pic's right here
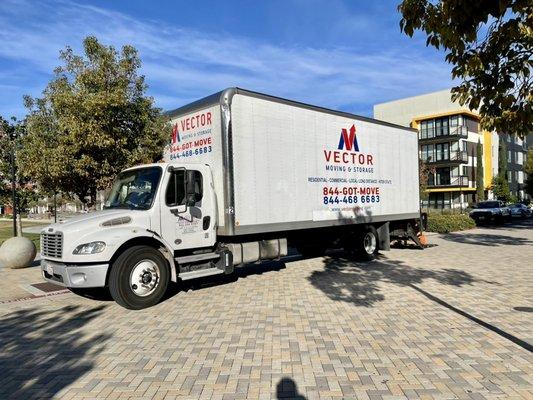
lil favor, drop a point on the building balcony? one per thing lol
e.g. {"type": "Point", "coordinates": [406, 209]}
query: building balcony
{"type": "Point", "coordinates": [448, 134]}
{"type": "Point", "coordinates": [454, 181]}
{"type": "Point", "coordinates": [455, 157]}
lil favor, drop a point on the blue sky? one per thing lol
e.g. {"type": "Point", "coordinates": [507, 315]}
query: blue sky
{"type": "Point", "coordinates": [345, 55]}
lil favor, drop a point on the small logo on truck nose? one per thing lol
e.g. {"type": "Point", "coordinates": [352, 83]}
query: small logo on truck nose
{"type": "Point", "coordinates": [348, 141]}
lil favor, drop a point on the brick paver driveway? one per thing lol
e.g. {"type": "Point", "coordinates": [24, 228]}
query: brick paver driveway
{"type": "Point", "coordinates": [452, 321]}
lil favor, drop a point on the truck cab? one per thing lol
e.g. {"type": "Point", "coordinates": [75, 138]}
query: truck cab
{"type": "Point", "coordinates": [154, 213]}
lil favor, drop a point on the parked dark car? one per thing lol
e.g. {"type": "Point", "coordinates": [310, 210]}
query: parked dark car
{"type": "Point", "coordinates": [520, 210]}
{"type": "Point", "coordinates": [490, 211]}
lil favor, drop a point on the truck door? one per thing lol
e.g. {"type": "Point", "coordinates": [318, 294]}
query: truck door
{"type": "Point", "coordinates": [188, 208]}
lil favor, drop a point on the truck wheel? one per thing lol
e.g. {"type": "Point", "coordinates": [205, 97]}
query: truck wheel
{"type": "Point", "coordinates": [139, 277]}
{"type": "Point", "coordinates": [367, 244]}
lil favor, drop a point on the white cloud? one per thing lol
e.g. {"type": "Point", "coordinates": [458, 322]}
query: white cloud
{"type": "Point", "coordinates": [182, 65]}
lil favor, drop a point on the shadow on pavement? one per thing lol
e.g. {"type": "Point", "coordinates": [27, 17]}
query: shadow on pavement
{"type": "Point", "coordinates": [513, 224]}
{"type": "Point", "coordinates": [524, 309]}
{"type": "Point", "coordinates": [42, 351]}
{"type": "Point", "coordinates": [239, 273]}
{"type": "Point", "coordinates": [486, 239]}
{"type": "Point", "coordinates": [345, 280]}
{"type": "Point", "coordinates": [100, 294]}
{"type": "Point", "coordinates": [287, 389]}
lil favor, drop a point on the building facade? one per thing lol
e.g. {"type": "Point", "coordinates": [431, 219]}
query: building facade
{"type": "Point", "coordinates": [516, 149]}
{"type": "Point", "coordinates": [449, 135]}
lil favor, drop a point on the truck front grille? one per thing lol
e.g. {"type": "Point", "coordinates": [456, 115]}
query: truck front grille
{"type": "Point", "coordinates": [52, 244]}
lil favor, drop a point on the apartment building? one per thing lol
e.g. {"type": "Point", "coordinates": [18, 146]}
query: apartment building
{"type": "Point", "coordinates": [448, 137]}
{"type": "Point", "coordinates": [516, 158]}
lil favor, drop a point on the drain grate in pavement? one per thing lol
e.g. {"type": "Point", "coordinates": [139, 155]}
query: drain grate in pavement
{"type": "Point", "coordinates": [47, 287]}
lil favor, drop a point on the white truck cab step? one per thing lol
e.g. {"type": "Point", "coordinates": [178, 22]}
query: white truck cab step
{"type": "Point", "coordinates": [197, 257]}
{"type": "Point", "coordinates": [200, 273]}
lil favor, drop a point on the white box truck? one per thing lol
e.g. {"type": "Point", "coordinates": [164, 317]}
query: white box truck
{"type": "Point", "coordinates": [246, 176]}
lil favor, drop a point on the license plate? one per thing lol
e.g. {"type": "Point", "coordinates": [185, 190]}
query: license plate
{"type": "Point", "coordinates": [481, 218]}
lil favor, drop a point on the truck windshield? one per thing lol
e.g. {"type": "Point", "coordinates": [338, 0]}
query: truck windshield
{"type": "Point", "coordinates": [134, 189]}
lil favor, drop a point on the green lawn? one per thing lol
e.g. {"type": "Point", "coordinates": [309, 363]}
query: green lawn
{"type": "Point", "coordinates": [6, 231]}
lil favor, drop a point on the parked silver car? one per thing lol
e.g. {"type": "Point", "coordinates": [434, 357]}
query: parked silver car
{"type": "Point", "coordinates": [520, 210]}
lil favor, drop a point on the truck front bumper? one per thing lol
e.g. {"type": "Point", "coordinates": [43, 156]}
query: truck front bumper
{"type": "Point", "coordinates": [74, 276]}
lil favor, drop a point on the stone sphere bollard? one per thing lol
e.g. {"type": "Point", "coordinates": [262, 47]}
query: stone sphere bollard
{"type": "Point", "coordinates": [17, 252]}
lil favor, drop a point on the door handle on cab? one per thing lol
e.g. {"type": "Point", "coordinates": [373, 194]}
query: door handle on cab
{"type": "Point", "coordinates": [206, 222]}
{"type": "Point", "coordinates": [179, 209]}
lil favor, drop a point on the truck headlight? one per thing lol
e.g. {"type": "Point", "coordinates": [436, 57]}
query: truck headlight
{"type": "Point", "coordinates": [90, 248]}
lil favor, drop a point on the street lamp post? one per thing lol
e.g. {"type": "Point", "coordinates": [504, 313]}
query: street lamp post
{"type": "Point", "coordinates": [14, 188]}
{"type": "Point", "coordinates": [11, 137]}
{"type": "Point", "coordinates": [55, 206]}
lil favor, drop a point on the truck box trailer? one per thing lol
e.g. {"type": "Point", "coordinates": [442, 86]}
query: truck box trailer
{"type": "Point", "coordinates": [245, 177]}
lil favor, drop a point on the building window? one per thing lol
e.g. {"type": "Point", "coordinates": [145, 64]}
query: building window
{"type": "Point", "coordinates": [441, 127]}
{"type": "Point", "coordinates": [427, 129]}
{"type": "Point", "coordinates": [427, 153]}
{"type": "Point", "coordinates": [442, 176]}
{"type": "Point", "coordinates": [440, 200]}
{"type": "Point", "coordinates": [519, 157]}
{"type": "Point", "coordinates": [442, 151]}
{"type": "Point", "coordinates": [455, 172]}
{"type": "Point", "coordinates": [454, 120]}
{"type": "Point", "coordinates": [431, 179]}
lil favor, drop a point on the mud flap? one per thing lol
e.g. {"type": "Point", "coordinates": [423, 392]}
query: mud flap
{"type": "Point", "coordinates": [384, 237]}
{"type": "Point", "coordinates": [413, 236]}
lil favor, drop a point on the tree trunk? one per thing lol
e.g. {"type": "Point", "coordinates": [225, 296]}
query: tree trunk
{"type": "Point", "coordinates": [93, 192]}
{"type": "Point", "coordinates": [19, 225]}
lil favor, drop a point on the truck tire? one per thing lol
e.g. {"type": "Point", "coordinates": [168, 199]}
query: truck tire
{"type": "Point", "coordinates": [139, 277]}
{"type": "Point", "coordinates": [367, 245]}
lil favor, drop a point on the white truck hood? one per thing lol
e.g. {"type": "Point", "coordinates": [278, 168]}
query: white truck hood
{"type": "Point", "coordinates": [88, 228]}
{"type": "Point", "coordinates": [91, 220]}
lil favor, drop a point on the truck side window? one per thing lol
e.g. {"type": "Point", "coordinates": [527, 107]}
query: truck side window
{"type": "Point", "coordinates": [195, 185]}
{"type": "Point", "coordinates": [175, 196]}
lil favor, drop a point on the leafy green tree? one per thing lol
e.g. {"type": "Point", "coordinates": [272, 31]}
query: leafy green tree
{"type": "Point", "coordinates": [528, 169]}
{"type": "Point", "coordinates": [424, 170]}
{"type": "Point", "coordinates": [490, 45]}
{"type": "Point", "coordinates": [480, 187]}
{"type": "Point", "coordinates": [499, 182]}
{"type": "Point", "coordinates": [502, 158]}
{"type": "Point", "coordinates": [500, 187]}
{"type": "Point", "coordinates": [11, 133]}
{"type": "Point", "coordinates": [93, 120]}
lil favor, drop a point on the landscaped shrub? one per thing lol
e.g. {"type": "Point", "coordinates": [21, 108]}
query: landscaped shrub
{"type": "Point", "coordinates": [445, 223]}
